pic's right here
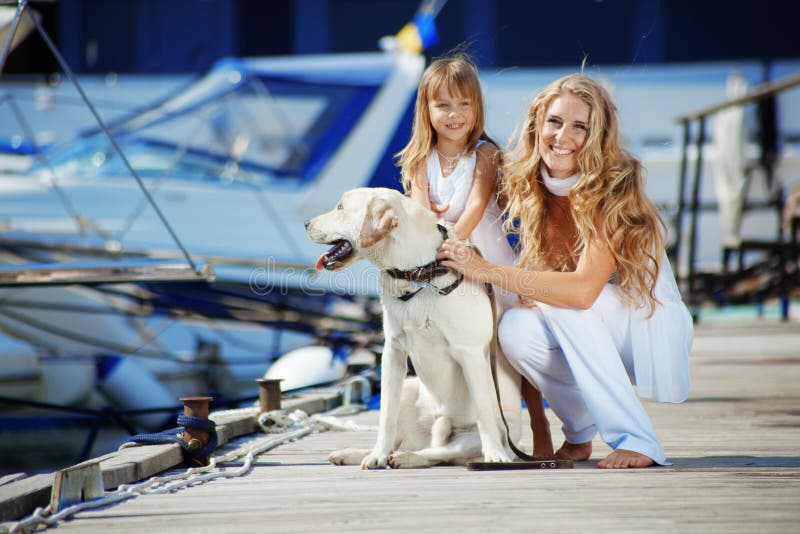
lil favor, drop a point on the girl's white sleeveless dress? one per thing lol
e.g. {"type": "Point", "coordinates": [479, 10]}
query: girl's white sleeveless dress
{"type": "Point", "coordinates": [488, 236]}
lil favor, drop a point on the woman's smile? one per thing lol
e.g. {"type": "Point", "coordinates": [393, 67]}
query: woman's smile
{"type": "Point", "coordinates": [564, 132]}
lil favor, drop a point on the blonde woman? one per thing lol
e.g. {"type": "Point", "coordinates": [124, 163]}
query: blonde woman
{"type": "Point", "coordinates": [601, 307]}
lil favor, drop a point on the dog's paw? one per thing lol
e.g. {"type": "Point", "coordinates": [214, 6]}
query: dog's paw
{"type": "Point", "coordinates": [407, 460]}
{"type": "Point", "coordinates": [375, 461]}
{"type": "Point", "coordinates": [347, 456]}
{"type": "Point", "coordinates": [496, 455]}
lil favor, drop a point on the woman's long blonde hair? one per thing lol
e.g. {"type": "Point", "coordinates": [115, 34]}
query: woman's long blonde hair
{"type": "Point", "coordinates": [607, 203]}
{"type": "Point", "coordinates": [459, 75]}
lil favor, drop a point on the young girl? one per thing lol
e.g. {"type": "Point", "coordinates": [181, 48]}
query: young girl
{"type": "Point", "coordinates": [450, 167]}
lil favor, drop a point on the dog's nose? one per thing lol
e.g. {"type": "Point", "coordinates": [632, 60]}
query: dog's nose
{"type": "Point", "coordinates": [307, 223]}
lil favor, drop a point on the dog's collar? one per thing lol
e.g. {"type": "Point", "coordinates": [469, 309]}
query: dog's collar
{"type": "Point", "coordinates": [424, 274]}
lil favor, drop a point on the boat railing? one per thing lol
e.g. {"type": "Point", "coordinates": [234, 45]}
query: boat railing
{"type": "Point", "coordinates": [782, 251]}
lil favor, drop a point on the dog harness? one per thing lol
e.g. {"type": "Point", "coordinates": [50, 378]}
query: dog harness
{"type": "Point", "coordinates": [425, 273]}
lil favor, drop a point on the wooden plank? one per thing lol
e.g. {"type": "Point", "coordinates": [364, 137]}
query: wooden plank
{"type": "Point", "coordinates": [13, 477]}
{"type": "Point", "coordinates": [234, 423]}
{"type": "Point", "coordinates": [23, 496]}
{"type": "Point", "coordinates": [132, 464]}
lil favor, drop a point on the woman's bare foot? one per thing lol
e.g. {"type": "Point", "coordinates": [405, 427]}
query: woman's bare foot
{"type": "Point", "coordinates": [623, 459]}
{"type": "Point", "coordinates": [577, 452]}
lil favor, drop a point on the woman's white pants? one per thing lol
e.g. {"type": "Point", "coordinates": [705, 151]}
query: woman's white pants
{"type": "Point", "coordinates": [582, 362]}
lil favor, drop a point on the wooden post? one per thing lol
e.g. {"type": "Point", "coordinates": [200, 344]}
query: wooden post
{"type": "Point", "coordinates": [82, 482]}
{"type": "Point", "coordinates": [269, 394]}
{"type": "Point", "coordinates": [194, 437]}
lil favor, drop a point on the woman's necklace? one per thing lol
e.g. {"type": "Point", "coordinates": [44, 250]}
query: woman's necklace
{"type": "Point", "coordinates": [450, 163]}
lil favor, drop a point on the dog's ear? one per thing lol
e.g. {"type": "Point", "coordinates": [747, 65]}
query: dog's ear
{"type": "Point", "coordinates": [379, 221]}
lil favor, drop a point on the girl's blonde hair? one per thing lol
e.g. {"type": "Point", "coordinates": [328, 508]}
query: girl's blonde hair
{"type": "Point", "coordinates": [459, 75]}
{"type": "Point", "coordinates": [607, 203]}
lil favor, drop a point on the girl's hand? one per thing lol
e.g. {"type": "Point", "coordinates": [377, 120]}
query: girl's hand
{"type": "Point", "coordinates": [464, 259]}
{"type": "Point", "coordinates": [438, 209]}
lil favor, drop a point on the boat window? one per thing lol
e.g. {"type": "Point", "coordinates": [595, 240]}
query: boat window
{"type": "Point", "coordinates": [257, 131]}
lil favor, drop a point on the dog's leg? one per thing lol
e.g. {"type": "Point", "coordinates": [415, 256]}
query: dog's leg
{"type": "Point", "coordinates": [348, 456]}
{"type": "Point", "coordinates": [411, 433]}
{"type": "Point", "coordinates": [393, 364]}
{"type": "Point", "coordinates": [441, 431]}
{"type": "Point", "coordinates": [462, 447]}
{"type": "Point", "coordinates": [478, 375]}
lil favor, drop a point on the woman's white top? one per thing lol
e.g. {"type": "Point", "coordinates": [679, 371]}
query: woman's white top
{"type": "Point", "coordinates": [454, 189]}
{"type": "Point", "coordinates": [660, 343]}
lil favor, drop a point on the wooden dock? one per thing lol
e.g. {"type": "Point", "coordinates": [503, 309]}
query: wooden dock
{"type": "Point", "coordinates": [735, 445]}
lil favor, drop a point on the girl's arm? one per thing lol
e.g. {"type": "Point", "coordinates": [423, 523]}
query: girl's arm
{"type": "Point", "coordinates": [419, 190]}
{"type": "Point", "coordinates": [483, 186]}
{"type": "Point", "coordinates": [578, 289]}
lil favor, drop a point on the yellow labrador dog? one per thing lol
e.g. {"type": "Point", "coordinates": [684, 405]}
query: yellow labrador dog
{"type": "Point", "coordinates": [449, 414]}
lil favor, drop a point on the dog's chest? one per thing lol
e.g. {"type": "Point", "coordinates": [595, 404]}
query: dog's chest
{"type": "Point", "coordinates": [419, 320]}
{"type": "Point", "coordinates": [423, 327]}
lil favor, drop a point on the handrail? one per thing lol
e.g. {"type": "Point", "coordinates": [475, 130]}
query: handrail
{"type": "Point", "coordinates": [758, 92]}
{"type": "Point", "coordinates": [766, 120]}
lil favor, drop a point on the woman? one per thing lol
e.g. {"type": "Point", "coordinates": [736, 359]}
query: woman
{"type": "Point", "coordinates": [600, 303]}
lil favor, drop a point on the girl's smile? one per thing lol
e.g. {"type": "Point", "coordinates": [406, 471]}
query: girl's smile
{"type": "Point", "coordinates": [453, 118]}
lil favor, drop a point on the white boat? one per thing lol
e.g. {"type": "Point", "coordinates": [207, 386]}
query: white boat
{"type": "Point", "coordinates": [236, 162]}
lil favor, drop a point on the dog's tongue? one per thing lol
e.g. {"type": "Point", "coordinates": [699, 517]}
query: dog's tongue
{"type": "Point", "coordinates": [320, 262]}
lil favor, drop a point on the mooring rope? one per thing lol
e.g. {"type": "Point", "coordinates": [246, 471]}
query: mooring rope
{"type": "Point", "coordinates": [292, 427]}
{"type": "Point", "coordinates": [174, 436]}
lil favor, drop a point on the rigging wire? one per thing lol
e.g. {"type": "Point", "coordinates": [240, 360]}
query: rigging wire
{"type": "Point", "coordinates": [81, 221]}
{"type": "Point", "coordinates": [62, 62]}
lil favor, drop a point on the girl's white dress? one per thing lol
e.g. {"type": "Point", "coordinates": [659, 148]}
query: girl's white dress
{"type": "Point", "coordinates": [488, 236]}
{"type": "Point", "coordinates": [454, 189]}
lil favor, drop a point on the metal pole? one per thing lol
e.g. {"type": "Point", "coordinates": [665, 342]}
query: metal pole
{"type": "Point", "coordinates": [676, 250]}
{"type": "Point", "coordinates": [695, 206]}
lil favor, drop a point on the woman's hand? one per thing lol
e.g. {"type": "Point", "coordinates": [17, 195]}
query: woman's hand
{"type": "Point", "coordinates": [464, 259]}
